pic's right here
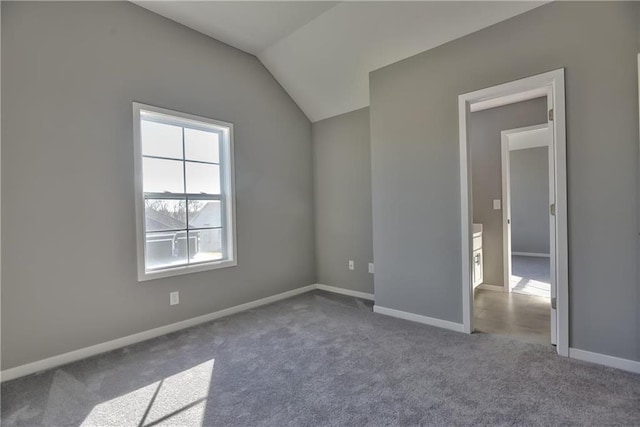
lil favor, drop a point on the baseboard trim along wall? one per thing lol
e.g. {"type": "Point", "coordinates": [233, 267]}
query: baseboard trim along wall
{"type": "Point", "coordinates": [493, 288]}
{"type": "Point", "coordinates": [536, 254]}
{"type": "Point", "coordinates": [83, 353]}
{"type": "Point", "coordinates": [458, 327]}
{"type": "Point", "coordinates": [603, 359]}
{"type": "Point", "coordinates": [345, 291]}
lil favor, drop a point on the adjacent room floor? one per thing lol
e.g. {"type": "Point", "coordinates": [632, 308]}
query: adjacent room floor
{"type": "Point", "coordinates": [518, 316]}
{"type": "Point", "coordinates": [523, 314]}
{"type": "Point", "coordinates": [531, 275]}
{"type": "Point", "coordinates": [322, 359]}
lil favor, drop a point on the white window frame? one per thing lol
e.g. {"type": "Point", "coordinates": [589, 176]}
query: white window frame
{"type": "Point", "coordinates": [227, 190]}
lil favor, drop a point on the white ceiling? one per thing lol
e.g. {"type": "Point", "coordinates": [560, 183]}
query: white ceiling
{"type": "Point", "coordinates": [322, 52]}
{"type": "Point", "coordinates": [251, 26]}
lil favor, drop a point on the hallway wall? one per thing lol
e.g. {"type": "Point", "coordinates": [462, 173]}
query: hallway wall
{"type": "Point", "coordinates": [530, 200]}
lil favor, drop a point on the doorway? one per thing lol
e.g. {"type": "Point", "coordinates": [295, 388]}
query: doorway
{"type": "Point", "coordinates": [551, 86]}
{"type": "Point", "coordinates": [528, 227]}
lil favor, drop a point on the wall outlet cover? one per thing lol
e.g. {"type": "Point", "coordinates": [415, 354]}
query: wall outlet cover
{"type": "Point", "coordinates": [174, 298]}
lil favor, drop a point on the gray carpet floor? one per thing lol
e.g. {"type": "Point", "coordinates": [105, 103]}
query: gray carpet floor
{"type": "Point", "coordinates": [323, 359]}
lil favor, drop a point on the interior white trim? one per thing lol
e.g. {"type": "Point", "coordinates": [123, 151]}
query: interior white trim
{"type": "Point", "coordinates": [83, 353]}
{"type": "Point", "coordinates": [534, 254]}
{"type": "Point", "coordinates": [431, 321]}
{"type": "Point", "coordinates": [509, 99]}
{"type": "Point", "coordinates": [553, 81]}
{"type": "Point", "coordinates": [505, 164]}
{"type": "Point", "coordinates": [519, 139]}
{"type": "Point", "coordinates": [526, 137]}
{"type": "Point", "coordinates": [344, 291]}
{"type": "Point", "coordinates": [603, 359]}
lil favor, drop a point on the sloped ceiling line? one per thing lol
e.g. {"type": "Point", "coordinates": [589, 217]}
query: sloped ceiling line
{"type": "Point", "coordinates": [322, 52]}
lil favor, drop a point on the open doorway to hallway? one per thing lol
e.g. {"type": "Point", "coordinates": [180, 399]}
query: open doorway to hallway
{"type": "Point", "coordinates": [527, 194]}
{"type": "Point", "coordinates": [509, 150]}
{"type": "Point", "coordinates": [481, 269]}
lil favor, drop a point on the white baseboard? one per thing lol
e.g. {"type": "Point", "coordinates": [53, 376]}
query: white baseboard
{"type": "Point", "coordinates": [83, 353]}
{"type": "Point", "coordinates": [603, 359]}
{"type": "Point", "coordinates": [458, 327]}
{"type": "Point", "coordinates": [493, 288]}
{"type": "Point", "coordinates": [535, 254]}
{"type": "Point", "coordinates": [344, 291]}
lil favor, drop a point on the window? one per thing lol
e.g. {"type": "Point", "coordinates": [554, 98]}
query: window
{"type": "Point", "coordinates": [185, 193]}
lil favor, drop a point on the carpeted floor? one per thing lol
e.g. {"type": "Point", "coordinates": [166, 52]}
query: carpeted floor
{"type": "Point", "coordinates": [322, 359]}
{"type": "Point", "coordinates": [531, 275]}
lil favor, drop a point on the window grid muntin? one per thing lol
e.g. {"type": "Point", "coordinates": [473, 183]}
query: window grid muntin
{"type": "Point", "coordinates": [180, 160]}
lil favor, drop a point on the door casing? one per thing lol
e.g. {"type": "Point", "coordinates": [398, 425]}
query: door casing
{"type": "Point", "coordinates": [551, 83]}
{"type": "Point", "coordinates": [518, 139]}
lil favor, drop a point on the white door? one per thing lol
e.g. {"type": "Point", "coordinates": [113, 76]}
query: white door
{"type": "Point", "coordinates": [552, 221]}
{"type": "Point", "coordinates": [506, 214]}
{"type": "Point", "coordinates": [508, 145]}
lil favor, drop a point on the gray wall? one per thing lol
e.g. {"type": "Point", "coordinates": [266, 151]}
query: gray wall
{"type": "Point", "coordinates": [530, 200]}
{"type": "Point", "coordinates": [415, 164]}
{"type": "Point", "coordinates": [342, 188]}
{"type": "Point", "coordinates": [69, 74]}
{"type": "Point", "coordinates": [486, 176]}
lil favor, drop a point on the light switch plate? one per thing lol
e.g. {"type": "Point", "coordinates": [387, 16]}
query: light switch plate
{"type": "Point", "coordinates": [496, 204]}
{"type": "Point", "coordinates": [371, 267]}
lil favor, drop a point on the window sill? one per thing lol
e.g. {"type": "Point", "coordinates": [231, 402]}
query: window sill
{"type": "Point", "coordinates": [144, 276]}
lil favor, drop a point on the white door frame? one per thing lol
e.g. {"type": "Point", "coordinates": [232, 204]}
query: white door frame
{"type": "Point", "coordinates": [520, 139]}
{"type": "Point", "coordinates": [552, 83]}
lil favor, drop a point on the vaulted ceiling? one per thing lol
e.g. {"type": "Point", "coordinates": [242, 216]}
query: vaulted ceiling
{"type": "Point", "coordinates": [322, 52]}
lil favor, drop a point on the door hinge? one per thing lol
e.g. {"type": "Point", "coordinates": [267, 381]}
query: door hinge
{"type": "Point", "coordinates": [551, 115]}
{"type": "Point", "coordinates": [553, 303]}
{"type": "Point", "coordinates": [552, 209]}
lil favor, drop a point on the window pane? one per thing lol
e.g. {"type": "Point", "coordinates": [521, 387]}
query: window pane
{"type": "Point", "coordinates": [203, 178]}
{"type": "Point", "coordinates": [163, 214]}
{"type": "Point", "coordinates": [161, 176]}
{"type": "Point", "coordinates": [204, 213]}
{"type": "Point", "coordinates": [207, 245]}
{"type": "Point", "coordinates": [201, 146]}
{"type": "Point", "coordinates": [159, 139]}
{"type": "Point", "coordinates": [165, 249]}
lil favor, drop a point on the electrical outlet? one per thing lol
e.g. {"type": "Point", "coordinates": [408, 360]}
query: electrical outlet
{"type": "Point", "coordinates": [371, 267]}
{"type": "Point", "coordinates": [496, 204]}
{"type": "Point", "coordinates": [351, 265]}
{"type": "Point", "coordinates": [174, 298]}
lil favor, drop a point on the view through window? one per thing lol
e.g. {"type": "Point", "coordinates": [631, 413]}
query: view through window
{"type": "Point", "coordinates": [185, 166]}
